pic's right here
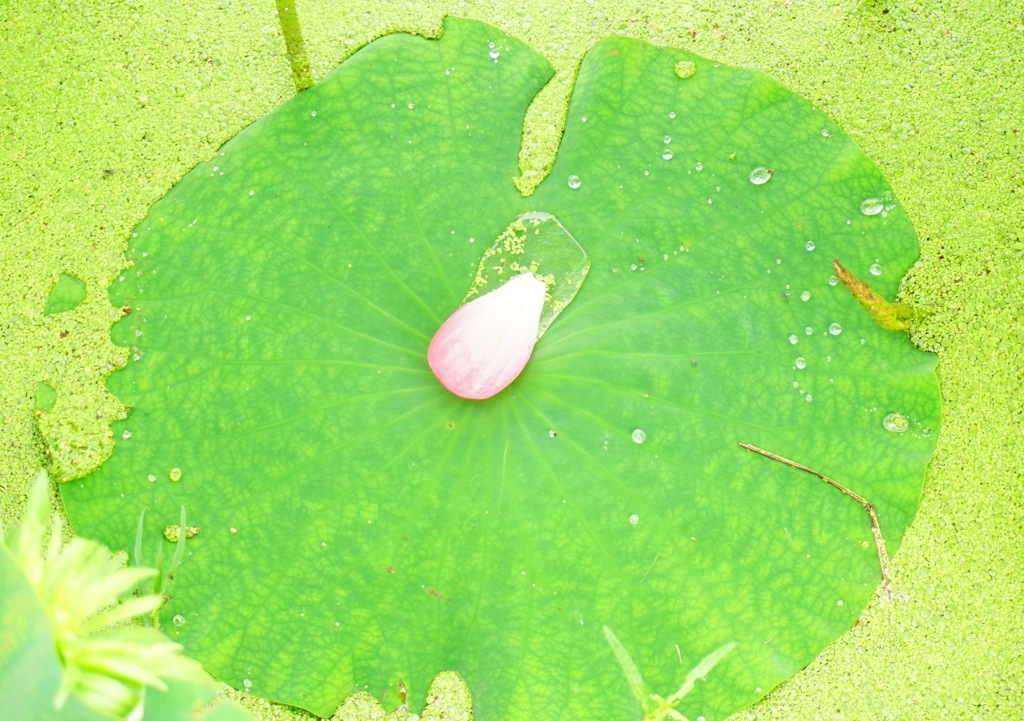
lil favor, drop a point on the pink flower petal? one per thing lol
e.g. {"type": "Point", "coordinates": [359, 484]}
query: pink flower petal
{"type": "Point", "coordinates": [485, 344]}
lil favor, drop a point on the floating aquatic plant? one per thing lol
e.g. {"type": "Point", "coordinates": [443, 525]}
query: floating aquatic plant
{"type": "Point", "coordinates": [387, 529]}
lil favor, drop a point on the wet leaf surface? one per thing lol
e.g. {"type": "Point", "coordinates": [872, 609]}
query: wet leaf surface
{"type": "Point", "coordinates": [362, 525]}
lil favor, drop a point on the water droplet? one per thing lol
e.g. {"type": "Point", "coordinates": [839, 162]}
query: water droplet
{"type": "Point", "coordinates": [824, 133]}
{"type": "Point", "coordinates": [800, 363]}
{"type": "Point", "coordinates": [583, 119]}
{"type": "Point", "coordinates": [872, 206]}
{"type": "Point", "coordinates": [178, 620]}
{"type": "Point", "coordinates": [667, 155]}
{"type": "Point", "coordinates": [835, 329]}
{"type": "Point", "coordinates": [761, 175]}
{"type": "Point", "coordinates": [638, 435]}
{"type": "Point", "coordinates": [895, 422]}
{"type": "Point", "coordinates": [312, 113]}
{"type": "Point", "coordinates": [875, 269]}
{"type": "Point", "coordinates": [247, 683]}
{"type": "Point", "coordinates": [672, 115]}
{"type": "Point", "coordinates": [685, 68]}
{"type": "Point", "coordinates": [552, 433]}
{"type": "Point", "coordinates": [839, 602]}
{"type": "Point", "coordinates": [252, 193]}
{"type": "Point", "coordinates": [494, 55]}
{"type": "Point", "coordinates": [126, 435]}
{"type": "Point", "coordinates": [699, 166]}
{"type": "Point", "coordinates": [175, 474]}
{"type": "Point", "coordinates": [248, 317]}
{"type": "Point", "coordinates": [575, 182]}
{"type": "Point", "coordinates": [805, 296]}
{"type": "Point", "coordinates": [667, 139]}
{"type": "Point", "coordinates": [809, 245]}
{"type": "Point", "coordinates": [808, 398]}
{"type": "Point", "coordinates": [793, 339]}
{"type": "Point", "coordinates": [151, 478]}
{"type": "Point", "coordinates": [833, 281]}
{"type": "Point", "coordinates": [410, 106]}
{"type": "Point", "coordinates": [808, 330]}
{"type": "Point", "coordinates": [634, 519]}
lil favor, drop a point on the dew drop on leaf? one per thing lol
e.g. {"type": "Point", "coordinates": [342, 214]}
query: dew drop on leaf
{"type": "Point", "coordinates": [896, 423]}
{"type": "Point", "coordinates": [872, 206]}
{"type": "Point", "coordinates": [685, 69]}
{"type": "Point", "coordinates": [760, 175]}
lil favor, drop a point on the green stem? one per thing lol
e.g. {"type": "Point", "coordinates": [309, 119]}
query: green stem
{"type": "Point", "coordinates": [288, 14]}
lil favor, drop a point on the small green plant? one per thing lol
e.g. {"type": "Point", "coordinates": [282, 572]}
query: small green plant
{"type": "Point", "coordinates": [159, 582]}
{"type": "Point", "coordinates": [86, 590]}
{"type": "Point", "coordinates": [655, 707]}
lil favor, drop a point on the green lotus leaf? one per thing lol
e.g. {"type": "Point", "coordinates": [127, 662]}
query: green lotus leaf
{"type": "Point", "coordinates": [359, 525]}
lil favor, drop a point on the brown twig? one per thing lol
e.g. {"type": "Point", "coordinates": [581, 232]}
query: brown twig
{"type": "Point", "coordinates": [876, 529]}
